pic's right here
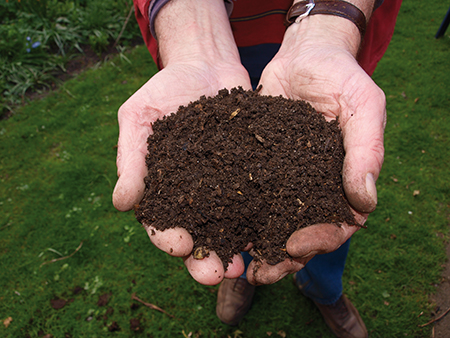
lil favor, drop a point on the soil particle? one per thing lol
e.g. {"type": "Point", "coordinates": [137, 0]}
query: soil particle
{"type": "Point", "coordinates": [240, 167]}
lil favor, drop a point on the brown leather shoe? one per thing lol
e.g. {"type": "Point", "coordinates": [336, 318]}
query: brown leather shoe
{"type": "Point", "coordinates": [234, 299]}
{"type": "Point", "coordinates": [343, 319]}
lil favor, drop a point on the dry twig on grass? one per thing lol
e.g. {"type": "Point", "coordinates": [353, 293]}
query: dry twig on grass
{"type": "Point", "coordinates": [436, 319]}
{"type": "Point", "coordinates": [151, 306]}
{"type": "Point", "coordinates": [65, 257]}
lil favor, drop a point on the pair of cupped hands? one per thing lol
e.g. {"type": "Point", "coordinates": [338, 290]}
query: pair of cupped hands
{"type": "Point", "coordinates": [326, 76]}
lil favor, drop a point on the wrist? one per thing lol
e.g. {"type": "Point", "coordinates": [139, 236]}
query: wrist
{"type": "Point", "coordinates": [321, 31]}
{"type": "Point", "coordinates": [335, 22]}
{"type": "Point", "coordinates": [195, 30]}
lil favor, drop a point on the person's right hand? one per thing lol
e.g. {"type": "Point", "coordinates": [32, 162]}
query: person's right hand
{"type": "Point", "coordinates": [184, 79]}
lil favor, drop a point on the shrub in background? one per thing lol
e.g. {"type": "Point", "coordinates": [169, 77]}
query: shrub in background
{"type": "Point", "coordinates": [40, 37]}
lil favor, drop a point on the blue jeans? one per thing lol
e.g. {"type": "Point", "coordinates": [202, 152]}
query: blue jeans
{"type": "Point", "coordinates": [321, 278]}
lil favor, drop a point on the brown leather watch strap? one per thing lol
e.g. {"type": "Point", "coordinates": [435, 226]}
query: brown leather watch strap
{"type": "Point", "coordinates": [340, 8]}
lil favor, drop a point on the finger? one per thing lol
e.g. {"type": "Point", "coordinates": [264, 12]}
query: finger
{"type": "Point", "coordinates": [131, 168]}
{"type": "Point", "coordinates": [236, 268]}
{"type": "Point", "coordinates": [206, 271]}
{"type": "Point", "coordinates": [318, 239]}
{"type": "Point", "coordinates": [176, 242]}
{"type": "Point", "coordinates": [248, 247]}
{"type": "Point", "coordinates": [363, 141]}
{"type": "Point", "coordinates": [269, 86]}
{"type": "Point", "coordinates": [261, 273]}
{"type": "Point", "coordinates": [130, 186]}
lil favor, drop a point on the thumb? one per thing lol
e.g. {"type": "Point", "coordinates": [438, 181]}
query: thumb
{"type": "Point", "coordinates": [130, 186]}
{"type": "Point", "coordinates": [131, 168]}
{"type": "Point", "coordinates": [364, 154]}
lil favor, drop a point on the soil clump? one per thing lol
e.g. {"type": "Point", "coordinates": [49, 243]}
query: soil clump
{"type": "Point", "coordinates": [241, 167]}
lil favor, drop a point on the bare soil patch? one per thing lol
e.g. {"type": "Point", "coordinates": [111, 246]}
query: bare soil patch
{"type": "Point", "coordinates": [441, 314]}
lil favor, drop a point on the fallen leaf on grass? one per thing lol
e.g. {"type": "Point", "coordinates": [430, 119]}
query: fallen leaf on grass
{"type": "Point", "coordinates": [58, 303]}
{"type": "Point", "coordinates": [113, 327]}
{"type": "Point", "coordinates": [135, 324]}
{"type": "Point", "coordinates": [7, 321]}
{"type": "Point", "coordinates": [77, 290]}
{"type": "Point", "coordinates": [104, 299]}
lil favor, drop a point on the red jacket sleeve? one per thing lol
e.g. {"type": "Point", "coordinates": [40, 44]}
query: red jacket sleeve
{"type": "Point", "coordinates": [378, 35]}
{"type": "Point", "coordinates": [247, 30]}
{"type": "Point", "coordinates": [141, 13]}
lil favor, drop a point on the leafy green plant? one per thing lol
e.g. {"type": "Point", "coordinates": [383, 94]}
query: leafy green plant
{"type": "Point", "coordinates": [41, 36]}
{"type": "Point", "coordinates": [98, 40]}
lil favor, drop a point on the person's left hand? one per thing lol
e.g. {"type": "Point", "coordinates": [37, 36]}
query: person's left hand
{"type": "Point", "coordinates": [327, 75]}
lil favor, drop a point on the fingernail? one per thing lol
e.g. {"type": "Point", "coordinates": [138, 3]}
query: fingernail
{"type": "Point", "coordinates": [371, 188]}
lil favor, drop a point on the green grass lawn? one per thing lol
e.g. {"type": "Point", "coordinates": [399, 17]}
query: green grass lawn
{"type": "Point", "coordinates": [57, 173]}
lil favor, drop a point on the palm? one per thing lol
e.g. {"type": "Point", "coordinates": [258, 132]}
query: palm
{"type": "Point", "coordinates": [162, 95]}
{"type": "Point", "coordinates": [329, 79]}
{"type": "Point", "coordinates": [336, 86]}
